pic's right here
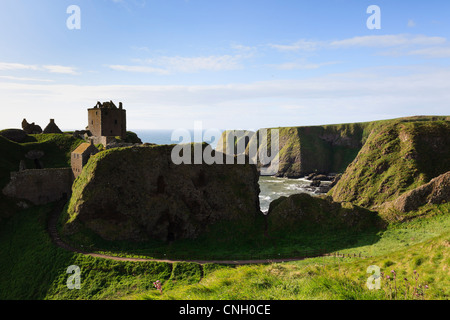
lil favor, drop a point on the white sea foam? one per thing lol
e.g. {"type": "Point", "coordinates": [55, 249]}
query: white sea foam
{"type": "Point", "coordinates": [272, 188]}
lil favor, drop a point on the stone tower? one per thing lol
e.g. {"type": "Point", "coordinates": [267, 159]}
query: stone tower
{"type": "Point", "coordinates": [107, 120]}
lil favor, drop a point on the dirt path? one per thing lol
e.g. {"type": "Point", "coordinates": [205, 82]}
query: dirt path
{"type": "Point", "coordinates": [53, 232]}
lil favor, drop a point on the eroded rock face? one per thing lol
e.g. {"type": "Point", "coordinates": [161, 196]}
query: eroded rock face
{"type": "Point", "coordinates": [138, 193]}
{"type": "Point", "coordinates": [318, 149]}
{"type": "Point", "coordinates": [437, 191]}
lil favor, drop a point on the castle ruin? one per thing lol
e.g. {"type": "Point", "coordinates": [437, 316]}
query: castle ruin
{"type": "Point", "coordinates": [43, 185]}
{"type": "Point", "coordinates": [107, 121]}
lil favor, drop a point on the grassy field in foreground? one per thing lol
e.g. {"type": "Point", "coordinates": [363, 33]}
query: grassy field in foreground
{"type": "Point", "coordinates": [418, 249]}
{"type": "Point", "coordinates": [328, 278]}
{"type": "Point", "coordinates": [33, 268]}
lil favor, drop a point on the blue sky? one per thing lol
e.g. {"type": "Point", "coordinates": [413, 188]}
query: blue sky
{"type": "Point", "coordinates": [234, 64]}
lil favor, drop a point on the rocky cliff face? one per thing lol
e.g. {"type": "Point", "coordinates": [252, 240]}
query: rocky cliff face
{"type": "Point", "coordinates": [397, 157]}
{"type": "Point", "coordinates": [305, 150]}
{"type": "Point", "coordinates": [138, 193]}
{"type": "Point", "coordinates": [437, 191]}
{"type": "Point", "coordinates": [326, 149]}
{"type": "Point", "coordinates": [323, 149]}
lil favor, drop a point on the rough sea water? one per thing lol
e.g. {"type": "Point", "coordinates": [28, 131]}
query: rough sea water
{"type": "Point", "coordinates": [271, 187]}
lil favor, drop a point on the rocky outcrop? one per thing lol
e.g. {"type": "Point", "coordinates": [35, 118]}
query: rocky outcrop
{"type": "Point", "coordinates": [39, 186]}
{"type": "Point", "coordinates": [437, 191]}
{"type": "Point", "coordinates": [303, 211]}
{"type": "Point", "coordinates": [398, 156]}
{"type": "Point", "coordinates": [16, 135]}
{"type": "Point", "coordinates": [138, 193]}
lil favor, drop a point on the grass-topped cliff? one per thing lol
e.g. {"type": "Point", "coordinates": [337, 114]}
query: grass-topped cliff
{"type": "Point", "coordinates": [138, 193]}
{"type": "Point", "coordinates": [326, 148]}
{"type": "Point", "coordinates": [398, 156]}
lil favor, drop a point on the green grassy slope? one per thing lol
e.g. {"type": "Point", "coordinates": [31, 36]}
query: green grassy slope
{"type": "Point", "coordinates": [33, 268]}
{"type": "Point", "coordinates": [419, 247]}
{"type": "Point", "coordinates": [397, 156]}
{"type": "Point", "coordinates": [56, 148]}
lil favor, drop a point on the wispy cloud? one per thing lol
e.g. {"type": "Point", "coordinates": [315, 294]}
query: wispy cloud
{"type": "Point", "coordinates": [411, 23]}
{"type": "Point", "coordinates": [243, 48]}
{"type": "Point", "coordinates": [60, 69]}
{"type": "Point", "coordinates": [352, 96]}
{"type": "Point", "coordinates": [383, 41]}
{"type": "Point", "coordinates": [17, 66]}
{"type": "Point", "coordinates": [139, 69]}
{"type": "Point", "coordinates": [25, 79]}
{"type": "Point", "coordinates": [300, 45]}
{"type": "Point", "coordinates": [432, 52]}
{"type": "Point", "coordinates": [7, 66]}
{"type": "Point", "coordinates": [372, 41]}
{"type": "Point", "coordinates": [171, 65]}
{"type": "Point", "coordinates": [303, 65]}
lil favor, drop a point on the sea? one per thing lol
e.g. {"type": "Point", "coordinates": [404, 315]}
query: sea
{"type": "Point", "coordinates": [271, 188]}
{"type": "Point", "coordinates": [164, 137]}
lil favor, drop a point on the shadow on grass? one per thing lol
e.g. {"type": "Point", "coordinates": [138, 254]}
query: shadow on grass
{"type": "Point", "coordinates": [33, 268]}
{"type": "Point", "coordinates": [231, 241]}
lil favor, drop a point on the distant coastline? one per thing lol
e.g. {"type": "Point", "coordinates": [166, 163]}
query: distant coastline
{"type": "Point", "coordinates": [162, 136]}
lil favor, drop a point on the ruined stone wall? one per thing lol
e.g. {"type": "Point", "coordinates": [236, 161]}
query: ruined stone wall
{"type": "Point", "coordinates": [40, 186]}
{"type": "Point", "coordinates": [103, 140]}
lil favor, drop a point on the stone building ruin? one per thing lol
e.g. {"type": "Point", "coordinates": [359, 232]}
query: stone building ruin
{"type": "Point", "coordinates": [52, 127]}
{"type": "Point", "coordinates": [31, 128]}
{"type": "Point", "coordinates": [41, 185]}
{"type": "Point", "coordinates": [107, 121]}
{"type": "Point", "coordinates": [80, 157]}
